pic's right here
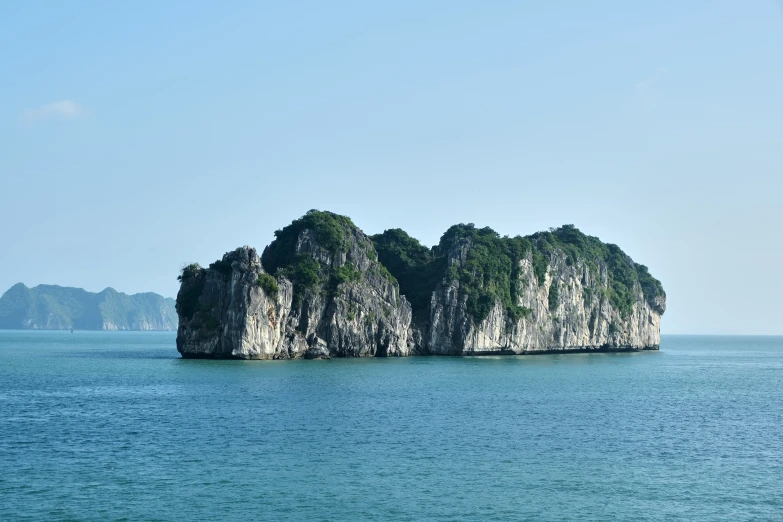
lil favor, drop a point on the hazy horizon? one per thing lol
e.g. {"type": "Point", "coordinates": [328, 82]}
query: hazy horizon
{"type": "Point", "coordinates": [139, 137]}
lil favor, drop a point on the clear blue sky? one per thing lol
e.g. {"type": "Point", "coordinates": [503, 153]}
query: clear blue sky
{"type": "Point", "coordinates": [136, 136]}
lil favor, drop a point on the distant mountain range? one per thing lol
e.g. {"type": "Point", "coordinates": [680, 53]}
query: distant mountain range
{"type": "Point", "coordinates": [52, 307]}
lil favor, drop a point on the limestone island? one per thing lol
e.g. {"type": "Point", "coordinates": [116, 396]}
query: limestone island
{"type": "Point", "coordinates": [325, 289]}
{"type": "Point", "coordinates": [54, 307]}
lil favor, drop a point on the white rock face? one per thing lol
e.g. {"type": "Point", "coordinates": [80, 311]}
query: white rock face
{"type": "Point", "coordinates": [232, 315]}
{"type": "Point", "coordinates": [234, 318]}
{"type": "Point", "coordinates": [583, 319]}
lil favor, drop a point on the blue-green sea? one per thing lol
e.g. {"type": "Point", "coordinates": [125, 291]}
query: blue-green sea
{"type": "Point", "coordinates": [115, 426]}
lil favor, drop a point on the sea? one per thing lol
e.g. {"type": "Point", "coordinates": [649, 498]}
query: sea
{"type": "Point", "coordinates": [101, 426]}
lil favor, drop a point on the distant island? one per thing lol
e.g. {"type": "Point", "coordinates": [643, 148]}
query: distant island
{"type": "Point", "coordinates": [325, 289]}
{"type": "Point", "coordinates": [52, 307]}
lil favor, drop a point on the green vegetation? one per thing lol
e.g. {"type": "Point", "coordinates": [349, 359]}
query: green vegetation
{"type": "Point", "coordinates": [622, 275]}
{"type": "Point", "coordinates": [222, 266]}
{"type": "Point", "coordinates": [554, 296]}
{"type": "Point", "coordinates": [572, 242]}
{"type": "Point", "coordinates": [540, 264]}
{"type": "Point", "coordinates": [490, 271]}
{"type": "Point", "coordinates": [344, 274]}
{"type": "Point", "coordinates": [587, 294]}
{"type": "Point", "coordinates": [414, 266]}
{"type": "Point", "coordinates": [331, 232]}
{"type": "Point", "coordinates": [487, 270]}
{"type": "Point", "coordinates": [386, 274]}
{"type": "Point", "coordinates": [268, 284]}
{"type": "Point", "coordinates": [189, 271]}
{"type": "Point", "coordinates": [622, 271]}
{"type": "Point", "coordinates": [651, 287]}
{"type": "Point", "coordinates": [306, 273]}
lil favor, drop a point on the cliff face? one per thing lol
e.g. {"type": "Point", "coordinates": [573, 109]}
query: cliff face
{"type": "Point", "coordinates": [319, 290]}
{"type": "Point", "coordinates": [52, 307]}
{"type": "Point", "coordinates": [223, 312]}
{"type": "Point", "coordinates": [325, 302]}
{"type": "Point", "coordinates": [580, 318]}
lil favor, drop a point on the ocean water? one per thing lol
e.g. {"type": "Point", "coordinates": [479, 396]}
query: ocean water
{"type": "Point", "coordinates": [115, 426]}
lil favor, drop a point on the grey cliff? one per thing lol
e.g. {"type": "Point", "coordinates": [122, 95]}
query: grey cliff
{"type": "Point", "coordinates": [583, 320]}
{"type": "Point", "coordinates": [236, 318]}
{"type": "Point", "coordinates": [322, 300]}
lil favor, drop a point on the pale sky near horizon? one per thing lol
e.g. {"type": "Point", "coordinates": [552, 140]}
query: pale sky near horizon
{"type": "Point", "coordinates": [137, 136]}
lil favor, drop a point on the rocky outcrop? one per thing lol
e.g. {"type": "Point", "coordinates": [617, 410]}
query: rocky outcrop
{"type": "Point", "coordinates": [581, 319]}
{"type": "Point", "coordinates": [224, 313]}
{"type": "Point", "coordinates": [352, 308]}
{"type": "Point", "coordinates": [320, 291]}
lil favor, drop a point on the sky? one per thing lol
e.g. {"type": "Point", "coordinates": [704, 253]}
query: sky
{"type": "Point", "coordinates": [138, 136]}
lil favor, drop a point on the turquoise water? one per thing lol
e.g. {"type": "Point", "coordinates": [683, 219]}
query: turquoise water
{"type": "Point", "coordinates": [115, 426]}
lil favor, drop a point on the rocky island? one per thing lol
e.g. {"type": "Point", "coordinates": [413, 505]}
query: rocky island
{"type": "Point", "coordinates": [54, 307]}
{"type": "Point", "coordinates": [324, 289]}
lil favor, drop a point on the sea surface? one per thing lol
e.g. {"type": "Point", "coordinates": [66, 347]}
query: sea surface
{"type": "Point", "coordinates": [115, 426]}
